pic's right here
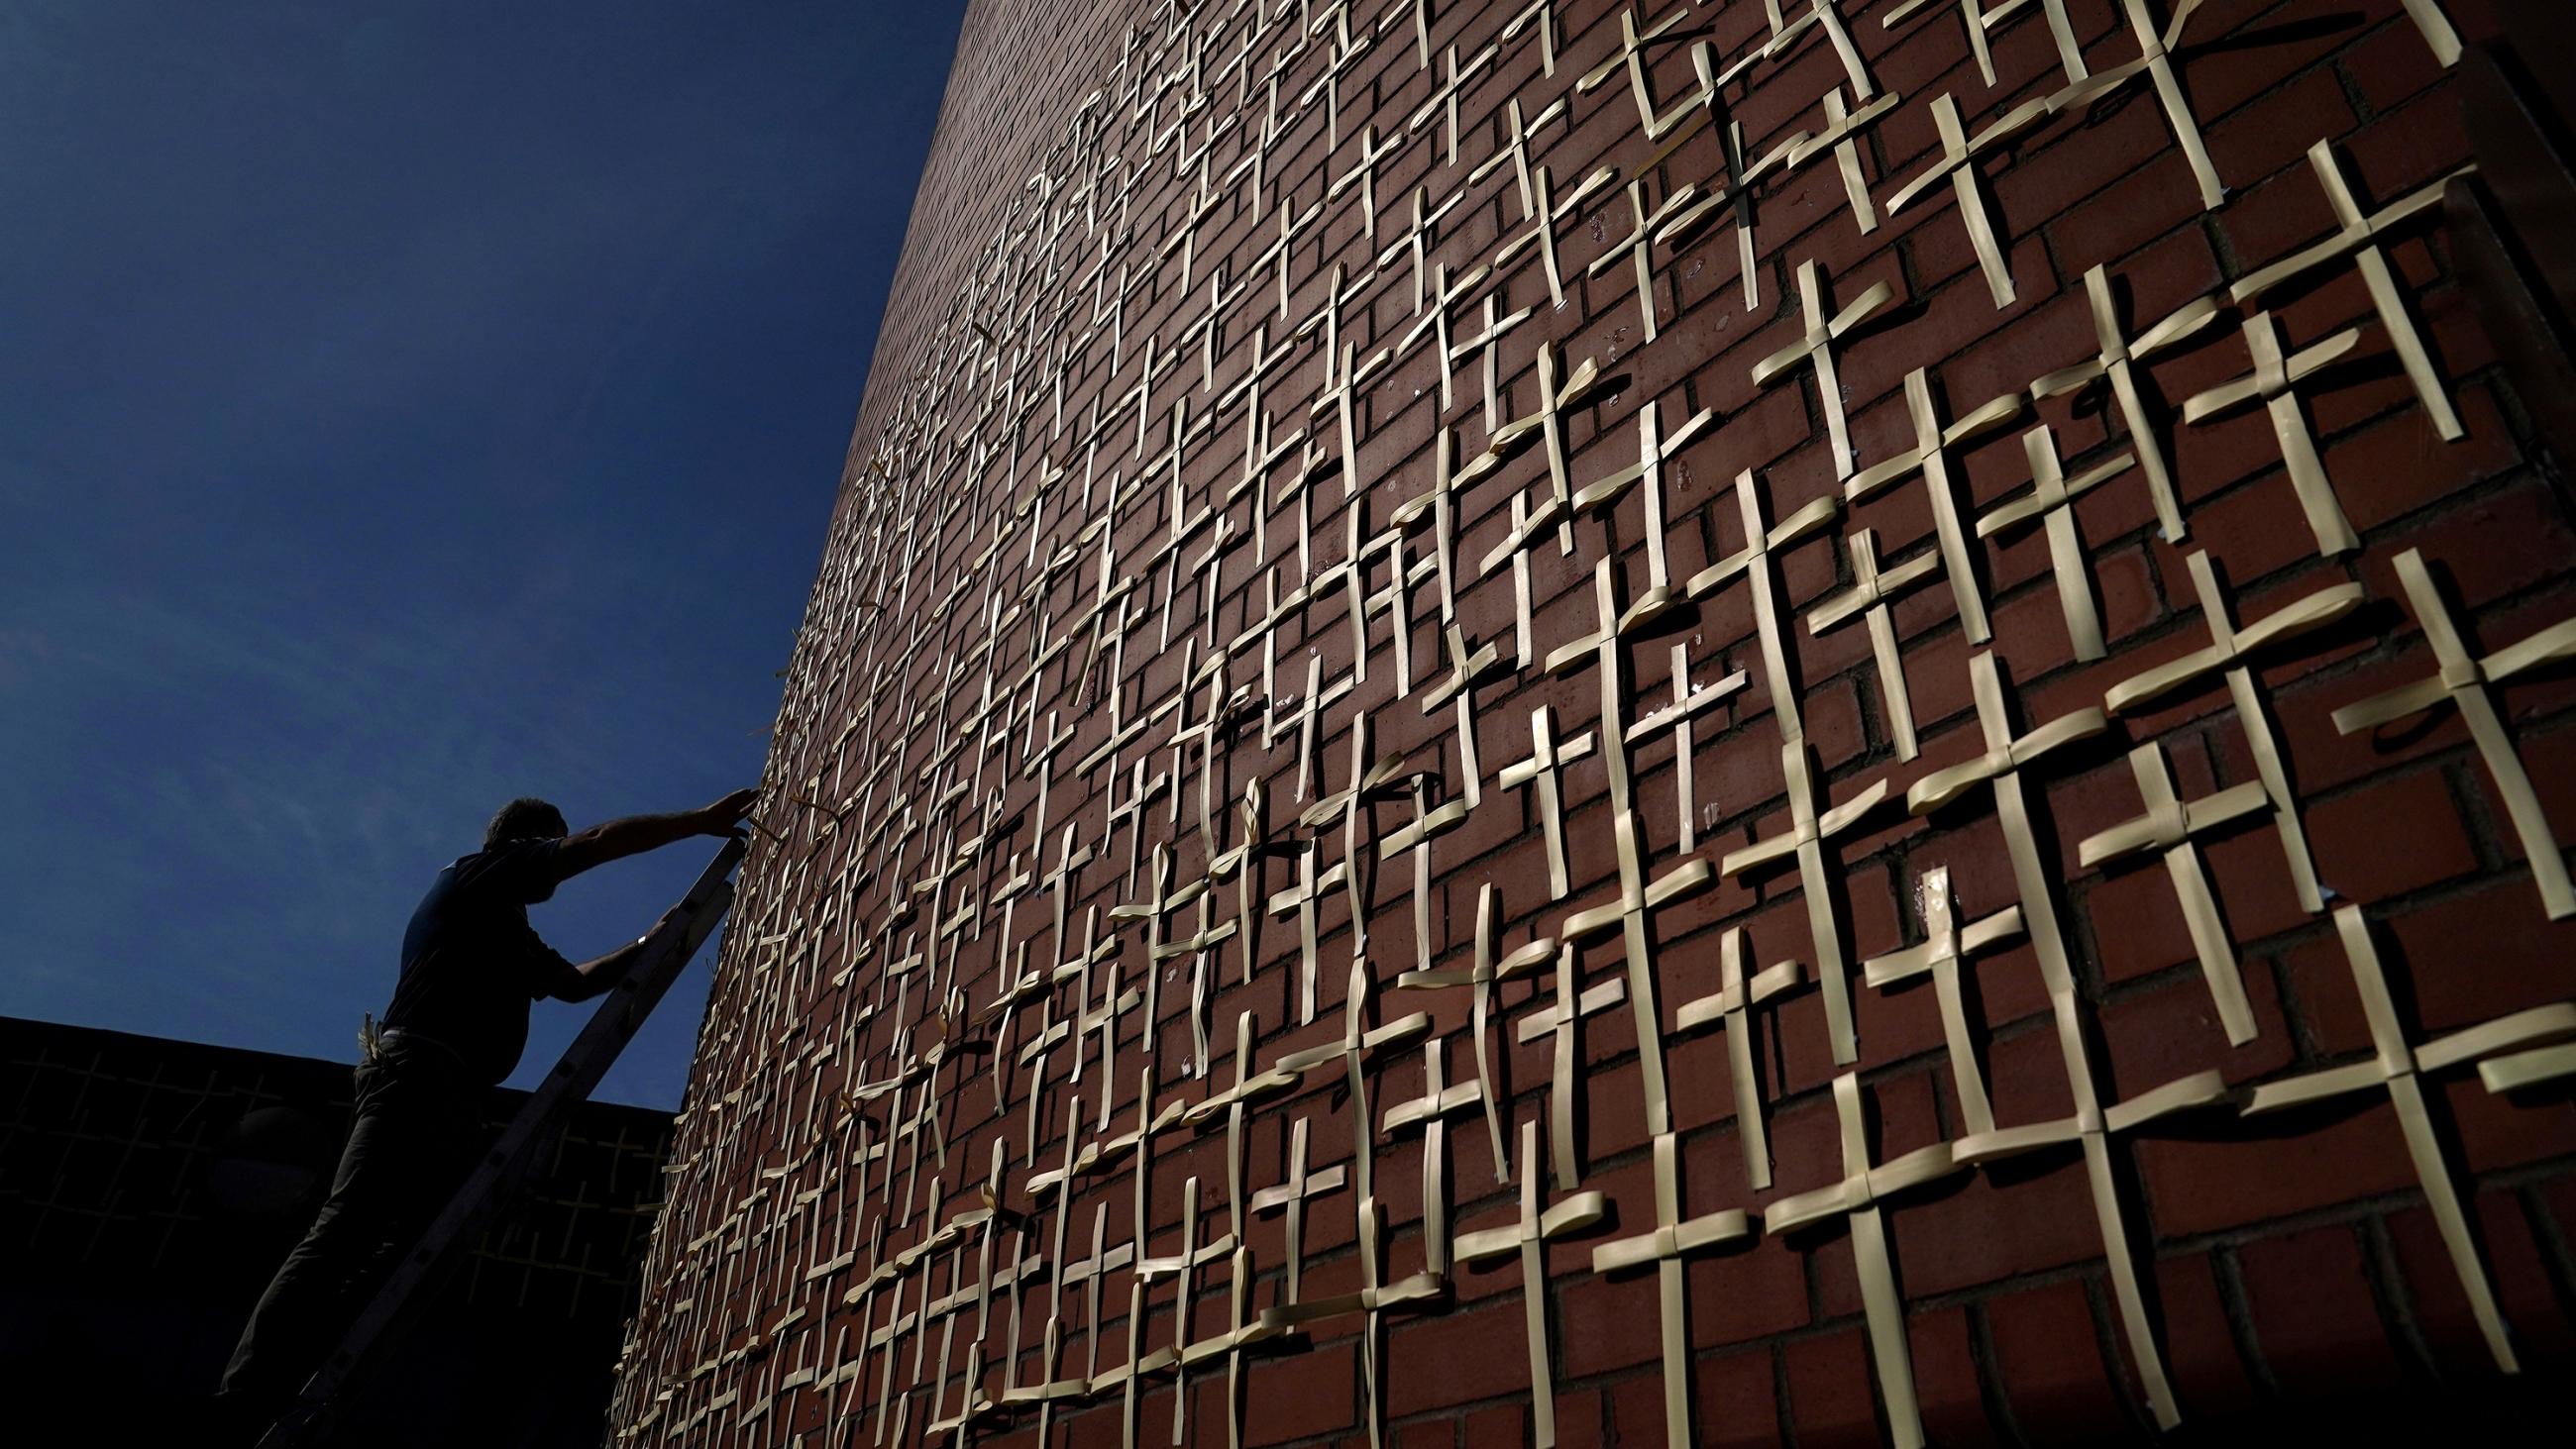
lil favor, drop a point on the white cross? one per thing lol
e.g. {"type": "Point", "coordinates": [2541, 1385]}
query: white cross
{"type": "Point", "coordinates": [1687, 702]}
{"type": "Point", "coordinates": [1518, 135]}
{"type": "Point", "coordinates": [1945, 949]}
{"type": "Point", "coordinates": [1289, 1195]}
{"type": "Point", "coordinates": [1805, 838]}
{"type": "Point", "coordinates": [1481, 978]}
{"type": "Point", "coordinates": [1857, 1199]}
{"type": "Point", "coordinates": [1632, 57]}
{"type": "Point", "coordinates": [1644, 231]}
{"type": "Point", "coordinates": [1842, 125]}
{"type": "Point", "coordinates": [1815, 348]}
{"type": "Point", "coordinates": [1731, 1006]}
{"type": "Point", "coordinates": [1753, 561]}
{"type": "Point", "coordinates": [2090, 1125]}
{"type": "Point", "coordinates": [1647, 475]}
{"type": "Point", "coordinates": [2462, 679]}
{"type": "Point", "coordinates": [2273, 383]}
{"type": "Point", "coordinates": [2357, 236]}
{"type": "Point", "coordinates": [1309, 889]}
{"type": "Point", "coordinates": [2154, 61]}
{"type": "Point", "coordinates": [1673, 1239]}
{"type": "Point", "coordinates": [2115, 363]}
{"type": "Point", "coordinates": [2227, 651]}
{"type": "Point", "coordinates": [1741, 173]}
{"type": "Point", "coordinates": [1982, 20]}
{"type": "Point", "coordinates": [1957, 164]}
{"type": "Point", "coordinates": [1527, 1239]}
{"type": "Point", "coordinates": [1929, 456]}
{"type": "Point", "coordinates": [1543, 218]}
{"type": "Point", "coordinates": [1868, 596]}
{"type": "Point", "coordinates": [1541, 14]}
{"type": "Point", "coordinates": [1546, 758]}
{"type": "Point", "coordinates": [1444, 100]}
{"type": "Point", "coordinates": [2052, 500]}
{"type": "Point", "coordinates": [2398, 1068]}
{"type": "Point", "coordinates": [1363, 173]}
{"type": "Point", "coordinates": [1560, 1021]}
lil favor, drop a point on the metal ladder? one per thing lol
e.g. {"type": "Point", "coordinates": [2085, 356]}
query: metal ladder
{"type": "Point", "coordinates": [489, 1187]}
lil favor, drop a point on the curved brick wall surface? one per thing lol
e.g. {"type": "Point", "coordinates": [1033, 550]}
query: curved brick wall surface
{"type": "Point", "coordinates": [1550, 723]}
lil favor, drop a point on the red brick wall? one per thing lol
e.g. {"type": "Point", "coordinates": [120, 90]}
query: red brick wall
{"type": "Point", "coordinates": [950, 684]}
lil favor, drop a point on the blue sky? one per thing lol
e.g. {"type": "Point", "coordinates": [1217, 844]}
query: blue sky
{"type": "Point", "coordinates": [404, 407]}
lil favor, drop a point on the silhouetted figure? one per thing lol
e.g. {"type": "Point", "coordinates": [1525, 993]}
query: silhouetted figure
{"type": "Point", "coordinates": [471, 967]}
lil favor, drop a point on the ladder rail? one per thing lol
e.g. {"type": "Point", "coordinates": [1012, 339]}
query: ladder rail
{"type": "Point", "coordinates": [486, 1189]}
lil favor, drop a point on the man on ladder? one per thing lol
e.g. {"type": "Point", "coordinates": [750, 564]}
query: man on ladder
{"type": "Point", "coordinates": [471, 967]}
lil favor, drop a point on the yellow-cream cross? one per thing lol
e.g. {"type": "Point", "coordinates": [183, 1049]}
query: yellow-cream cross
{"type": "Point", "coordinates": [1560, 1021]}
{"type": "Point", "coordinates": [1945, 948]}
{"type": "Point", "coordinates": [1930, 457]}
{"type": "Point", "coordinates": [1983, 19]}
{"type": "Point", "coordinates": [1527, 1239]}
{"type": "Point", "coordinates": [1805, 838]}
{"type": "Point", "coordinates": [1856, 1199]}
{"type": "Point", "coordinates": [2155, 62]}
{"type": "Point", "coordinates": [1957, 164]}
{"type": "Point", "coordinates": [2228, 651]}
{"type": "Point", "coordinates": [1664, 1248]}
{"type": "Point", "coordinates": [1481, 978]}
{"type": "Point", "coordinates": [1731, 1006]}
{"type": "Point", "coordinates": [2357, 236]}
{"type": "Point", "coordinates": [2052, 500]}
{"type": "Point", "coordinates": [1546, 759]}
{"type": "Point", "coordinates": [2398, 1067]}
{"type": "Point", "coordinates": [1753, 561]}
{"type": "Point", "coordinates": [1868, 596]}
{"type": "Point", "coordinates": [1676, 716]}
{"type": "Point", "coordinates": [1815, 348]}
{"type": "Point", "coordinates": [2274, 383]}
{"type": "Point", "coordinates": [2462, 679]}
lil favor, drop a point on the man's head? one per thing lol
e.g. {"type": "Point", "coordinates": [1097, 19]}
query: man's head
{"type": "Point", "coordinates": [526, 818]}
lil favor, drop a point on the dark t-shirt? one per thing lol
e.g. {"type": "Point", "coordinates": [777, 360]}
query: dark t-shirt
{"type": "Point", "coordinates": [471, 964]}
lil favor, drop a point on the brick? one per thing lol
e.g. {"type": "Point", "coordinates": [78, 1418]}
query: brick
{"type": "Point", "coordinates": [2171, 1030]}
{"type": "Point", "coordinates": [1301, 1395]}
{"type": "Point", "coordinates": [2202, 1362]}
{"type": "Point", "coordinates": [2048, 1357]}
{"type": "Point", "coordinates": [2361, 859]}
{"type": "Point", "coordinates": [1469, 1350]}
{"type": "Point", "coordinates": [2497, 1132]}
{"type": "Point", "coordinates": [1734, 1398]}
{"type": "Point", "coordinates": [1830, 1399]}
{"type": "Point", "coordinates": [2418, 942]}
{"type": "Point", "coordinates": [2327, 1156]}
{"type": "Point", "coordinates": [2019, 1218]}
{"type": "Point", "coordinates": [1752, 1293]}
{"type": "Point", "coordinates": [1945, 1377]}
{"type": "Point", "coordinates": [1604, 1324]}
{"type": "Point", "coordinates": [2314, 1316]}
{"type": "Point", "coordinates": [2262, 139]}
{"type": "Point", "coordinates": [2537, 1325]}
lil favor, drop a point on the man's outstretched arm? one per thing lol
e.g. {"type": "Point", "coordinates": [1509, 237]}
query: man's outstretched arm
{"type": "Point", "coordinates": [635, 834]}
{"type": "Point", "coordinates": [596, 977]}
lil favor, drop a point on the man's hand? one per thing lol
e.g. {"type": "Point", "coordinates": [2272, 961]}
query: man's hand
{"type": "Point", "coordinates": [725, 816]}
{"type": "Point", "coordinates": [670, 921]}
{"type": "Point", "coordinates": [595, 977]}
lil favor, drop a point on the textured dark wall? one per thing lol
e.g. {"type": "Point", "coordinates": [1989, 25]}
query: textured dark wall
{"type": "Point", "coordinates": [1014, 616]}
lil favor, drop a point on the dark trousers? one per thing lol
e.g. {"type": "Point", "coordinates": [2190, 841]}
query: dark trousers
{"type": "Point", "coordinates": [417, 1131]}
